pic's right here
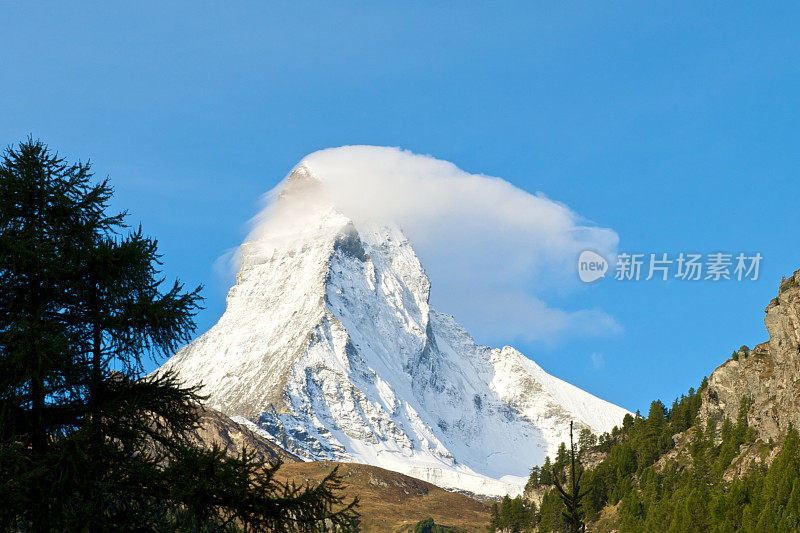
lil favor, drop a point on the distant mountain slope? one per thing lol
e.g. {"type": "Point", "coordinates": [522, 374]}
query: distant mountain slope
{"type": "Point", "coordinates": [395, 502]}
{"type": "Point", "coordinates": [389, 501]}
{"type": "Point", "coordinates": [329, 347]}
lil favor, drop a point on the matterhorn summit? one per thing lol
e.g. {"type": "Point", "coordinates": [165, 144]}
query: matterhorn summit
{"type": "Point", "coordinates": [329, 347]}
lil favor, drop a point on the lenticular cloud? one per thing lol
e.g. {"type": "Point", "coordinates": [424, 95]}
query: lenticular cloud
{"type": "Point", "coordinates": [489, 248]}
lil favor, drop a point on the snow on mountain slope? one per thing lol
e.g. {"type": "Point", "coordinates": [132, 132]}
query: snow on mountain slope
{"type": "Point", "coordinates": [330, 348]}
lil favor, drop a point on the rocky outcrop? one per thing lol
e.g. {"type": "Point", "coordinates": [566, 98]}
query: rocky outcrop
{"type": "Point", "coordinates": [217, 429]}
{"type": "Point", "coordinates": [768, 376]}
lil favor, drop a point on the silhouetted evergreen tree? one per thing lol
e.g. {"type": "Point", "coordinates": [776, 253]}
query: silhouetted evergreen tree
{"type": "Point", "coordinates": [87, 441]}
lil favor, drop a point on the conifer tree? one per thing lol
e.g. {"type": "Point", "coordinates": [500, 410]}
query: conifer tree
{"type": "Point", "coordinates": [573, 514]}
{"type": "Point", "coordinates": [546, 473]}
{"type": "Point", "coordinates": [87, 440]}
{"type": "Point", "coordinates": [586, 439]}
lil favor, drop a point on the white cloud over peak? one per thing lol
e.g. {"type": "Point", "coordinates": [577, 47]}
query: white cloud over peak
{"type": "Point", "coordinates": [490, 249]}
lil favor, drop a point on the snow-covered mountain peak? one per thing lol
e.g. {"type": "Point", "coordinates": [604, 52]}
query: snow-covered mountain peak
{"type": "Point", "coordinates": [329, 347]}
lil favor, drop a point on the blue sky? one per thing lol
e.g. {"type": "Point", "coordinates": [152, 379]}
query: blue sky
{"type": "Point", "coordinates": [674, 125]}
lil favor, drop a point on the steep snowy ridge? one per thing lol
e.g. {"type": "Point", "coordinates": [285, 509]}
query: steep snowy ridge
{"type": "Point", "coordinates": [329, 347]}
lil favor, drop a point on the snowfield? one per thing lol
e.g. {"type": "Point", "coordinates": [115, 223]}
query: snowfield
{"type": "Point", "coordinates": [329, 347]}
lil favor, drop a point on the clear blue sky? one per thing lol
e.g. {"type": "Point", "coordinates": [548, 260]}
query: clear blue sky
{"type": "Point", "coordinates": [675, 126]}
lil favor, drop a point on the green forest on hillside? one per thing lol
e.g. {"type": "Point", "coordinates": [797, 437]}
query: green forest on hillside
{"type": "Point", "coordinates": [679, 494]}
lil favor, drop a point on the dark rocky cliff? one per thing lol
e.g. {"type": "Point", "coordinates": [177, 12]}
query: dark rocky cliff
{"type": "Point", "coordinates": [768, 375]}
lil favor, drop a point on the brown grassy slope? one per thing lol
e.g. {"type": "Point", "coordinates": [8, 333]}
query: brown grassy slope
{"type": "Point", "coordinates": [395, 502]}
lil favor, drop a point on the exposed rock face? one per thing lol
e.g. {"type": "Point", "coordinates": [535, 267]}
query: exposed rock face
{"type": "Point", "coordinates": [216, 428]}
{"type": "Point", "coordinates": [768, 375]}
